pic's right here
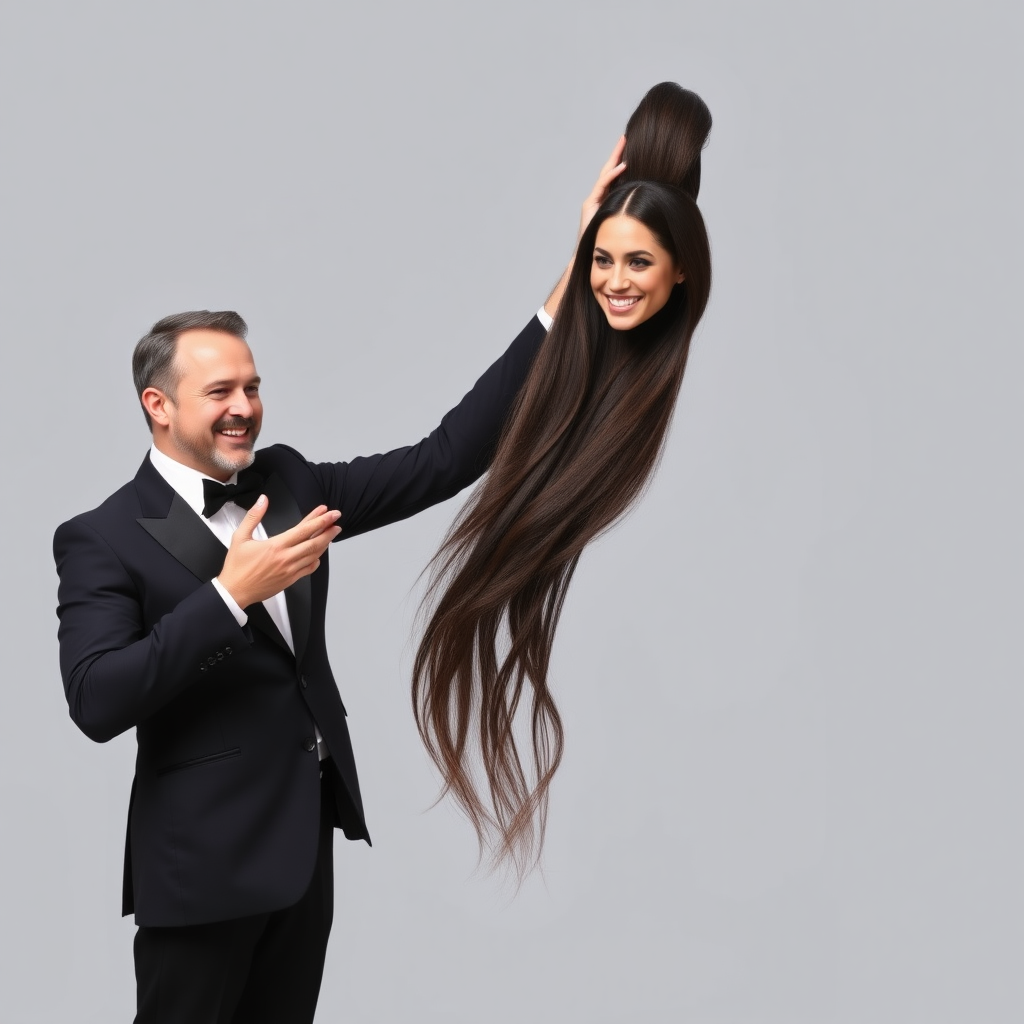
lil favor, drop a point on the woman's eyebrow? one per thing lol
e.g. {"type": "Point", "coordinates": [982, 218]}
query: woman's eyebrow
{"type": "Point", "coordinates": [636, 252]}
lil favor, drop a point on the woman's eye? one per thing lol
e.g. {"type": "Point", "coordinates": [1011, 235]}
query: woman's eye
{"type": "Point", "coordinates": [640, 264]}
{"type": "Point", "coordinates": [602, 261]}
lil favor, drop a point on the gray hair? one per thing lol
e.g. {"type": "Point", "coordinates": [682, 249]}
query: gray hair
{"type": "Point", "coordinates": [153, 363]}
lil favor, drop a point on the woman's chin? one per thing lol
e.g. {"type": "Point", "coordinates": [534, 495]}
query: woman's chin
{"type": "Point", "coordinates": [618, 322]}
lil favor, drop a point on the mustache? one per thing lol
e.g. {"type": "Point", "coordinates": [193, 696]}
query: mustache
{"type": "Point", "coordinates": [235, 423]}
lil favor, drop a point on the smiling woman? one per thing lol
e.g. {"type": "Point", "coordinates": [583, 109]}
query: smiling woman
{"type": "Point", "coordinates": [586, 433]}
{"type": "Point", "coordinates": [632, 275]}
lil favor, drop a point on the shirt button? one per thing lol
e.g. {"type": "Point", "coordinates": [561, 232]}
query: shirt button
{"type": "Point", "coordinates": [309, 743]}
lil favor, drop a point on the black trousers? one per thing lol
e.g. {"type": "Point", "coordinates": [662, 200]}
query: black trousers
{"type": "Point", "coordinates": [264, 969]}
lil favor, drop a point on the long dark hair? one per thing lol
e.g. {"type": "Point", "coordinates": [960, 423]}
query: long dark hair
{"type": "Point", "coordinates": [586, 433]}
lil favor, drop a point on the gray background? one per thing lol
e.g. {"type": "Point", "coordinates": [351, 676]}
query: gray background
{"type": "Point", "coordinates": [790, 680]}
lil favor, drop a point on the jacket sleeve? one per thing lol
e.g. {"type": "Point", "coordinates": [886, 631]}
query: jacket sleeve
{"type": "Point", "coordinates": [117, 673]}
{"type": "Point", "coordinates": [380, 489]}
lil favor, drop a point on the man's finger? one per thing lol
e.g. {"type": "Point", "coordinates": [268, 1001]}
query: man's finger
{"type": "Point", "coordinates": [252, 518]}
{"type": "Point", "coordinates": [316, 545]}
{"type": "Point", "coordinates": [313, 525]}
{"type": "Point", "coordinates": [321, 530]}
{"type": "Point", "coordinates": [310, 516]}
{"type": "Point", "coordinates": [325, 521]}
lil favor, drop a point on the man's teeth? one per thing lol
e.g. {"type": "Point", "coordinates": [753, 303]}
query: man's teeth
{"type": "Point", "coordinates": [235, 433]}
{"type": "Point", "coordinates": [624, 302]}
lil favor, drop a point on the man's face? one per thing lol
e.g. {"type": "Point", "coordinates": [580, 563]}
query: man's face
{"type": "Point", "coordinates": [212, 420]}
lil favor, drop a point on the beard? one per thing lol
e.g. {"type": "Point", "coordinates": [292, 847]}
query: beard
{"type": "Point", "coordinates": [203, 448]}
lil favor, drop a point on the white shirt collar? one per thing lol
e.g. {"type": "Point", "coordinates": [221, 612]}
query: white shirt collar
{"type": "Point", "coordinates": [186, 481]}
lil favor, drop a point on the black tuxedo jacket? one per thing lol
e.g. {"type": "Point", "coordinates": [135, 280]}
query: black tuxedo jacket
{"type": "Point", "coordinates": [225, 807]}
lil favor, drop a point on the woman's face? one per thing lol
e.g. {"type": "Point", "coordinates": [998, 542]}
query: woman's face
{"type": "Point", "coordinates": [632, 275]}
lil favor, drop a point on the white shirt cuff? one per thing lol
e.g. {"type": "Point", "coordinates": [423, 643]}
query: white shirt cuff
{"type": "Point", "coordinates": [240, 617]}
{"type": "Point", "coordinates": [545, 320]}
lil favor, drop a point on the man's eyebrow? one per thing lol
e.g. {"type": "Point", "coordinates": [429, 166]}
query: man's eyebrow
{"type": "Point", "coordinates": [228, 383]}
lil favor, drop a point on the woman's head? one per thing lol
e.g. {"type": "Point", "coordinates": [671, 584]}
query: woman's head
{"type": "Point", "coordinates": [665, 136]}
{"type": "Point", "coordinates": [651, 219]}
{"type": "Point", "coordinates": [645, 243]}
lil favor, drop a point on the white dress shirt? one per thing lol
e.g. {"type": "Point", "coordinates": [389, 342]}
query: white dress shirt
{"type": "Point", "coordinates": [188, 483]}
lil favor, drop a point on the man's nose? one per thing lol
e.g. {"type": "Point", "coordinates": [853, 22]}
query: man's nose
{"type": "Point", "coordinates": [240, 406]}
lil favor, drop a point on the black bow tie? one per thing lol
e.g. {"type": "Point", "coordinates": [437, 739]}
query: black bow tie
{"type": "Point", "coordinates": [244, 493]}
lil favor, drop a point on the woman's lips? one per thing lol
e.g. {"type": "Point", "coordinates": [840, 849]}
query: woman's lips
{"type": "Point", "coordinates": [621, 305]}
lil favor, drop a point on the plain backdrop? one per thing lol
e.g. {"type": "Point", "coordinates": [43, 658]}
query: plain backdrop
{"type": "Point", "coordinates": [790, 680]}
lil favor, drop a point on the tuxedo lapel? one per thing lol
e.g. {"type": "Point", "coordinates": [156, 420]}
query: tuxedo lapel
{"type": "Point", "coordinates": [282, 514]}
{"type": "Point", "coordinates": [184, 535]}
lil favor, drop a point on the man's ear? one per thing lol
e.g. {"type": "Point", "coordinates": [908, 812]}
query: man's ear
{"type": "Point", "coordinates": [155, 402]}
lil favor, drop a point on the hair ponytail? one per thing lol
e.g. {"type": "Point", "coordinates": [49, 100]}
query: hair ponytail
{"type": "Point", "coordinates": [665, 136]}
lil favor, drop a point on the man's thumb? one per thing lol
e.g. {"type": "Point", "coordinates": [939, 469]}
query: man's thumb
{"type": "Point", "coordinates": [254, 515]}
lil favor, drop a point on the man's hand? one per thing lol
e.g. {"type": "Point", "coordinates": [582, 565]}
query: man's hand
{"type": "Point", "coordinates": [257, 569]}
{"type": "Point", "coordinates": [612, 168]}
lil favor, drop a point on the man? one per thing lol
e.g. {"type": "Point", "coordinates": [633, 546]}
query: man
{"type": "Point", "coordinates": [191, 607]}
{"type": "Point", "coordinates": [194, 612]}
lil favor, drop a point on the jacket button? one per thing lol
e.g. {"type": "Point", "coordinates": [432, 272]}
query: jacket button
{"type": "Point", "coordinates": [302, 681]}
{"type": "Point", "coordinates": [309, 743]}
